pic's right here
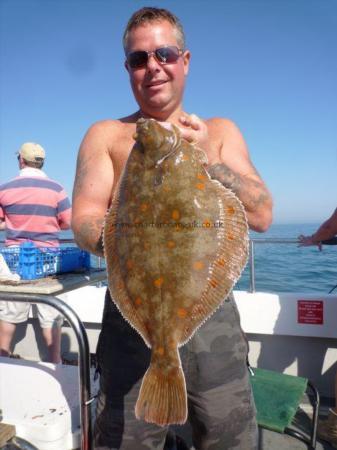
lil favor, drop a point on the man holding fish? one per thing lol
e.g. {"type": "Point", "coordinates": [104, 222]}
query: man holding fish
{"type": "Point", "coordinates": [109, 175]}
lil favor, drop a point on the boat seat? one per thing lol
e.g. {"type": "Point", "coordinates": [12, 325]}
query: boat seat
{"type": "Point", "coordinates": [277, 397]}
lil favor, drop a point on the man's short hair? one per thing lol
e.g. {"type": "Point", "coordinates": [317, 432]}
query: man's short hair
{"type": "Point", "coordinates": [150, 14]}
{"type": "Point", "coordinates": [36, 164]}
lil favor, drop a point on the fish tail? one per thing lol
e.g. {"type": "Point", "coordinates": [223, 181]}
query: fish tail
{"type": "Point", "coordinates": [162, 397]}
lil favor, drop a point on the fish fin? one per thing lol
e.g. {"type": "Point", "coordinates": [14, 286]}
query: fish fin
{"type": "Point", "coordinates": [228, 264]}
{"type": "Point", "coordinates": [162, 398]}
{"type": "Point", "coordinates": [115, 279]}
{"type": "Point", "coordinates": [201, 155]}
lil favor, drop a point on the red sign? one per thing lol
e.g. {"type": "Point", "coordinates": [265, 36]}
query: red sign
{"type": "Point", "coordinates": [310, 312]}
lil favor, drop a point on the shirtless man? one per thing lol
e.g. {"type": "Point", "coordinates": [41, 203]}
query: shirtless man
{"type": "Point", "coordinates": [221, 409]}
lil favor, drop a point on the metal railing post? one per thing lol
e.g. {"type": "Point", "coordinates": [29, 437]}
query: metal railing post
{"type": "Point", "coordinates": [83, 355]}
{"type": "Point", "coordinates": [251, 266]}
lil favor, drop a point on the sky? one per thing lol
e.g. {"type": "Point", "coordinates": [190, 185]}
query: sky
{"type": "Point", "coordinates": [268, 65]}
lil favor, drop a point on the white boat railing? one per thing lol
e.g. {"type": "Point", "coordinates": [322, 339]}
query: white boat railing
{"type": "Point", "coordinates": [251, 260]}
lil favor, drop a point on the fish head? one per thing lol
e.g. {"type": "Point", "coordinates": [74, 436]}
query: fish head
{"type": "Point", "coordinates": [157, 140]}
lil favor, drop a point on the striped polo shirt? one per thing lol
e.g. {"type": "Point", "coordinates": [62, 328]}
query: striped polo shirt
{"type": "Point", "coordinates": [34, 208]}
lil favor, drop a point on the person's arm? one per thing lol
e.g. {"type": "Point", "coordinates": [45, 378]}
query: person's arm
{"type": "Point", "coordinates": [92, 189]}
{"type": "Point", "coordinates": [2, 219]}
{"type": "Point", "coordinates": [326, 231]}
{"type": "Point", "coordinates": [233, 168]}
{"type": "Point", "coordinates": [64, 211]}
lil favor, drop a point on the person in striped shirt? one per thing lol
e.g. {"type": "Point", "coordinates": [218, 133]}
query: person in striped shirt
{"type": "Point", "coordinates": [32, 208]}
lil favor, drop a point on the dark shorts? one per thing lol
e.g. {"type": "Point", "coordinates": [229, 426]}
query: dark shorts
{"type": "Point", "coordinates": [221, 409]}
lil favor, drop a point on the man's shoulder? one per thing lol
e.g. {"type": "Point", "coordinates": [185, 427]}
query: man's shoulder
{"type": "Point", "coordinates": [112, 126]}
{"type": "Point", "coordinates": [8, 184]}
{"type": "Point", "coordinates": [221, 122]}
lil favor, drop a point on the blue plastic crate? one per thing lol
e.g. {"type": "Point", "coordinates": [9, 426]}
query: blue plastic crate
{"type": "Point", "coordinates": [32, 262]}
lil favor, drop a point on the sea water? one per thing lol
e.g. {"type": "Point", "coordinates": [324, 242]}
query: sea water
{"type": "Point", "coordinates": [284, 267]}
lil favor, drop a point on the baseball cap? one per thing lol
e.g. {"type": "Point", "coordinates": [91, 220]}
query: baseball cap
{"type": "Point", "coordinates": [32, 152]}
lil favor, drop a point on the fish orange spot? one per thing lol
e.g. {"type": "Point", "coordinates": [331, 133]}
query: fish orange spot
{"type": "Point", "coordinates": [171, 244]}
{"type": "Point", "coordinates": [201, 176]}
{"type": "Point", "coordinates": [185, 158]}
{"type": "Point", "coordinates": [160, 351]}
{"type": "Point", "coordinates": [144, 207]}
{"type": "Point", "coordinates": [130, 264]}
{"type": "Point", "coordinates": [175, 214]}
{"type": "Point", "coordinates": [200, 186]}
{"type": "Point", "coordinates": [182, 313]}
{"type": "Point", "coordinates": [138, 301]}
{"type": "Point", "coordinates": [230, 237]}
{"type": "Point", "coordinates": [213, 283]}
{"type": "Point", "coordinates": [158, 282]}
{"type": "Point", "coordinates": [230, 210]}
{"type": "Point", "coordinates": [198, 265]}
{"type": "Point", "coordinates": [220, 262]}
{"type": "Point", "coordinates": [137, 220]}
{"type": "Point", "coordinates": [166, 188]}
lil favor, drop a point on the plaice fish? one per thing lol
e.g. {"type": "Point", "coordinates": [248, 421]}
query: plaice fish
{"type": "Point", "coordinates": [175, 244]}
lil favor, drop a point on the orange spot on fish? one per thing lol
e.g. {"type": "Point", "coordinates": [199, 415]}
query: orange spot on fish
{"type": "Point", "coordinates": [144, 207]}
{"type": "Point", "coordinates": [160, 351]}
{"type": "Point", "coordinates": [175, 214]}
{"type": "Point", "coordinates": [166, 188]}
{"type": "Point", "coordinates": [230, 237]}
{"type": "Point", "coordinates": [130, 264]}
{"type": "Point", "coordinates": [185, 158]}
{"type": "Point", "coordinates": [137, 220]}
{"type": "Point", "coordinates": [158, 282]}
{"type": "Point", "coordinates": [220, 262]}
{"type": "Point", "coordinates": [198, 265]}
{"type": "Point", "coordinates": [171, 244]}
{"type": "Point", "coordinates": [200, 186]}
{"type": "Point", "coordinates": [182, 313]}
{"type": "Point", "coordinates": [201, 176]}
{"type": "Point", "coordinates": [213, 283]}
{"type": "Point", "coordinates": [138, 301]}
{"type": "Point", "coordinates": [230, 210]}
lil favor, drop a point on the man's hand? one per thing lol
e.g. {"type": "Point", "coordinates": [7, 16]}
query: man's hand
{"type": "Point", "coordinates": [306, 241]}
{"type": "Point", "coordinates": [195, 131]}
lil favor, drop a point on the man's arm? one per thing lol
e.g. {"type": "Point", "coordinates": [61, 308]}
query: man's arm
{"type": "Point", "coordinates": [92, 189]}
{"type": "Point", "coordinates": [233, 168]}
{"type": "Point", "coordinates": [326, 231]}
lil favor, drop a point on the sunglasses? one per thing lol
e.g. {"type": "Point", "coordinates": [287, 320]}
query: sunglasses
{"type": "Point", "coordinates": [164, 55]}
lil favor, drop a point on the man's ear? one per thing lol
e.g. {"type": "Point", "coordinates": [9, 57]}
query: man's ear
{"type": "Point", "coordinates": [126, 65]}
{"type": "Point", "coordinates": [186, 59]}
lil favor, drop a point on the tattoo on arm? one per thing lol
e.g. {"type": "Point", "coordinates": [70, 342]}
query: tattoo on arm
{"type": "Point", "coordinates": [90, 235]}
{"type": "Point", "coordinates": [81, 173]}
{"type": "Point", "coordinates": [252, 193]}
{"type": "Point", "coordinates": [226, 176]}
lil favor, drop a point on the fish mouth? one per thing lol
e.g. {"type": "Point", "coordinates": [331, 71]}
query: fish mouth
{"type": "Point", "coordinates": [145, 128]}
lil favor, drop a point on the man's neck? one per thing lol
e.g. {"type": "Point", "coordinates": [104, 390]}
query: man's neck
{"type": "Point", "coordinates": [161, 116]}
